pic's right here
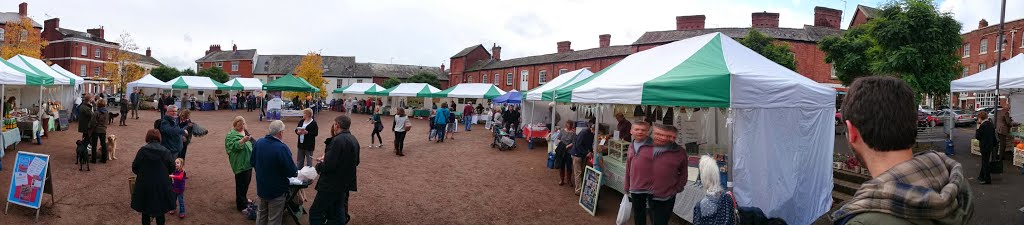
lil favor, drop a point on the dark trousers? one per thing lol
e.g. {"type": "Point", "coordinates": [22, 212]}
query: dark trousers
{"type": "Point", "coordinates": [146, 219]}
{"type": "Point", "coordinates": [1002, 147]}
{"type": "Point", "coordinates": [135, 110]}
{"type": "Point", "coordinates": [329, 207]}
{"type": "Point", "coordinates": [124, 116]}
{"type": "Point", "coordinates": [376, 132]}
{"type": "Point", "coordinates": [986, 174]}
{"type": "Point", "coordinates": [660, 210]}
{"type": "Point", "coordinates": [441, 129]}
{"type": "Point", "coordinates": [184, 149]}
{"type": "Point", "coordinates": [399, 141]}
{"type": "Point", "coordinates": [242, 181]}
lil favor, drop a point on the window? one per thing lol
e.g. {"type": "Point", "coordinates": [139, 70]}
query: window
{"type": "Point", "coordinates": [469, 79]}
{"type": "Point", "coordinates": [833, 67]}
{"type": "Point", "coordinates": [337, 84]}
{"type": "Point", "coordinates": [24, 36]}
{"type": "Point", "coordinates": [508, 79]}
{"type": "Point", "coordinates": [85, 50]}
{"type": "Point", "coordinates": [1002, 42]}
{"type": "Point", "coordinates": [497, 79]}
{"type": "Point", "coordinates": [981, 67]}
{"type": "Point", "coordinates": [964, 73]}
{"type": "Point", "coordinates": [97, 53]}
{"type": "Point", "coordinates": [1, 34]}
{"type": "Point", "coordinates": [967, 50]}
{"type": "Point", "coordinates": [110, 55]}
{"type": "Point", "coordinates": [359, 80]}
{"type": "Point", "coordinates": [542, 77]}
{"type": "Point", "coordinates": [96, 71]}
{"type": "Point", "coordinates": [81, 70]}
{"type": "Point", "coordinates": [986, 99]}
{"type": "Point", "coordinates": [220, 65]}
{"type": "Point", "coordinates": [984, 46]}
{"type": "Point", "coordinates": [234, 66]}
{"type": "Point", "coordinates": [562, 71]}
{"type": "Point", "coordinates": [483, 78]}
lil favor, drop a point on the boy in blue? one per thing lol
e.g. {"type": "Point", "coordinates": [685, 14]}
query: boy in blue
{"type": "Point", "coordinates": [441, 121]}
{"type": "Point", "coordinates": [272, 160]}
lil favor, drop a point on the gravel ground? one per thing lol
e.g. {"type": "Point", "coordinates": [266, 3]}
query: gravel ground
{"type": "Point", "coordinates": [462, 181]}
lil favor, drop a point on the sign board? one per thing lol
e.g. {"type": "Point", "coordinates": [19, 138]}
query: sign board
{"type": "Point", "coordinates": [27, 179]}
{"type": "Point", "coordinates": [591, 189]}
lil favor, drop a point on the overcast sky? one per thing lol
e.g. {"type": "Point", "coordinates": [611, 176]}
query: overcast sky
{"type": "Point", "coordinates": [424, 32]}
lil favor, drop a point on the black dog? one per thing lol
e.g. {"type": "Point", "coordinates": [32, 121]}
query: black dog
{"type": "Point", "coordinates": [82, 155]}
{"type": "Point", "coordinates": [111, 117]}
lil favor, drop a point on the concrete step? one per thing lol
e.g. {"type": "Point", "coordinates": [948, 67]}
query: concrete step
{"type": "Point", "coordinates": [839, 174]}
{"type": "Point", "coordinates": [845, 187]}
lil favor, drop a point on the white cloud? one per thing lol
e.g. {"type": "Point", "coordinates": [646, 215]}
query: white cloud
{"type": "Point", "coordinates": [970, 12]}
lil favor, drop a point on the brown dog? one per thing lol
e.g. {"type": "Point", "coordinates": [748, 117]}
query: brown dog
{"type": "Point", "coordinates": [112, 141]}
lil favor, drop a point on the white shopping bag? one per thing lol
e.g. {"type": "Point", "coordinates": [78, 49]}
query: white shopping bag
{"type": "Point", "coordinates": [307, 173]}
{"type": "Point", "coordinates": [625, 211]}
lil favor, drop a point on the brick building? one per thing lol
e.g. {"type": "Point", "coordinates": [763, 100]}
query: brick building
{"type": "Point", "coordinates": [15, 17]}
{"type": "Point", "coordinates": [476, 65]}
{"type": "Point", "coordinates": [340, 71]}
{"type": "Point", "coordinates": [980, 51]}
{"type": "Point", "coordinates": [146, 61]}
{"type": "Point", "coordinates": [82, 53]}
{"type": "Point", "coordinates": [237, 63]}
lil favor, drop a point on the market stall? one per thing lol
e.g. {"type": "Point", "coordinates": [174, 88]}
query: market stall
{"type": "Point", "coordinates": [402, 92]}
{"type": "Point", "coordinates": [15, 76]}
{"type": "Point", "coordinates": [45, 106]}
{"type": "Point", "coordinates": [288, 82]}
{"type": "Point", "coordinates": [196, 85]}
{"type": "Point", "coordinates": [71, 91]}
{"type": "Point", "coordinates": [246, 84]}
{"type": "Point", "coordinates": [478, 92]}
{"type": "Point", "coordinates": [360, 89]}
{"type": "Point", "coordinates": [1011, 85]}
{"type": "Point", "coordinates": [779, 125]}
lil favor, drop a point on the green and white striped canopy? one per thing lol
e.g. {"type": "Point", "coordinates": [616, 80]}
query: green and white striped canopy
{"type": "Point", "coordinates": [470, 90]}
{"type": "Point", "coordinates": [409, 90]}
{"type": "Point", "coordinates": [39, 67]}
{"type": "Point", "coordinates": [359, 89]}
{"type": "Point", "coordinates": [546, 92]}
{"type": "Point", "coordinates": [75, 79]}
{"type": "Point", "coordinates": [196, 83]}
{"type": "Point", "coordinates": [15, 75]}
{"type": "Point", "coordinates": [710, 70]}
{"type": "Point", "coordinates": [248, 84]}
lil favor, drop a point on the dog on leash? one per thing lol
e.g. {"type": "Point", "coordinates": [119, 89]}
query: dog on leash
{"type": "Point", "coordinates": [112, 116]}
{"type": "Point", "coordinates": [82, 155]}
{"type": "Point", "coordinates": [112, 141]}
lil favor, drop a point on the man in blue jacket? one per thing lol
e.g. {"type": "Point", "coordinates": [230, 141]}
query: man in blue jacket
{"type": "Point", "coordinates": [170, 131]}
{"type": "Point", "coordinates": [272, 161]}
{"type": "Point", "coordinates": [441, 121]}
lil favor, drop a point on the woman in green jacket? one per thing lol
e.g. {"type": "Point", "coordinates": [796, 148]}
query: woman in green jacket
{"type": "Point", "coordinates": [238, 144]}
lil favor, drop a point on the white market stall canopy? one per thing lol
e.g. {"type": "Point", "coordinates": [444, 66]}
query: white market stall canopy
{"type": "Point", "coordinates": [39, 67]}
{"type": "Point", "coordinates": [15, 75]}
{"type": "Point", "coordinates": [471, 90]}
{"type": "Point", "coordinates": [248, 84]}
{"type": "Point", "coordinates": [544, 91]}
{"type": "Point", "coordinates": [196, 83]}
{"type": "Point", "coordinates": [409, 90]}
{"type": "Point", "coordinates": [1011, 78]}
{"type": "Point", "coordinates": [75, 79]}
{"type": "Point", "coordinates": [359, 89]}
{"type": "Point", "coordinates": [148, 81]}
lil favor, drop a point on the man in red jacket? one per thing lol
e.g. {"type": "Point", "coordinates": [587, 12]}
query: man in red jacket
{"type": "Point", "coordinates": [467, 115]}
{"type": "Point", "coordinates": [655, 172]}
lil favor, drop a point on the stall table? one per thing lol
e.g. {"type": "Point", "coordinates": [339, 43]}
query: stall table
{"type": "Point", "coordinates": [11, 137]}
{"type": "Point", "coordinates": [421, 113]}
{"type": "Point", "coordinates": [32, 130]}
{"type": "Point", "coordinates": [532, 133]}
{"type": "Point", "coordinates": [206, 106]}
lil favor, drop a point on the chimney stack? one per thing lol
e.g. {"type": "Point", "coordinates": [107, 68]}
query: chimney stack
{"type": "Point", "coordinates": [982, 24]}
{"type": "Point", "coordinates": [442, 68]}
{"type": "Point", "coordinates": [827, 17]}
{"type": "Point", "coordinates": [149, 52]}
{"type": "Point", "coordinates": [23, 9]}
{"type": "Point", "coordinates": [234, 47]}
{"type": "Point", "coordinates": [563, 46]}
{"type": "Point", "coordinates": [496, 52]}
{"type": "Point", "coordinates": [213, 48]}
{"type": "Point", "coordinates": [97, 32]}
{"type": "Point", "coordinates": [604, 40]}
{"type": "Point", "coordinates": [51, 24]}
{"type": "Point", "coordinates": [764, 20]}
{"type": "Point", "coordinates": [695, 22]}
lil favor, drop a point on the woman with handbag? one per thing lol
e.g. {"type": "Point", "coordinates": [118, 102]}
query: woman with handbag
{"type": "Point", "coordinates": [986, 135]}
{"type": "Point", "coordinates": [563, 161]}
{"type": "Point", "coordinates": [718, 206]}
{"type": "Point", "coordinates": [400, 126]}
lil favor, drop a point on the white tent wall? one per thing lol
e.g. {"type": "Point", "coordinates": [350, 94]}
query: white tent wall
{"type": "Point", "coordinates": [1016, 101]}
{"type": "Point", "coordinates": [801, 186]}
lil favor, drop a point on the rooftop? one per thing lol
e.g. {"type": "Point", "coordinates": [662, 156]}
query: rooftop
{"type": "Point", "coordinates": [245, 54]}
{"type": "Point", "coordinates": [83, 35]}
{"type": "Point", "coordinates": [334, 66]}
{"type": "Point", "coordinates": [611, 51]}
{"type": "Point", "coordinates": [146, 59]}
{"type": "Point", "coordinates": [7, 17]}
{"type": "Point", "coordinates": [806, 34]}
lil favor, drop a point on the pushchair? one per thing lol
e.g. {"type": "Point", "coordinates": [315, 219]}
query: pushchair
{"type": "Point", "coordinates": [503, 139]}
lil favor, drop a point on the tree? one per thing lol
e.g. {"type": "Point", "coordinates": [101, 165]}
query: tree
{"type": "Point", "coordinates": [165, 73]}
{"type": "Point", "coordinates": [424, 77]}
{"type": "Point", "coordinates": [909, 39]}
{"type": "Point", "coordinates": [763, 45]}
{"type": "Point", "coordinates": [118, 66]}
{"type": "Point", "coordinates": [215, 73]}
{"type": "Point", "coordinates": [21, 38]}
{"type": "Point", "coordinates": [311, 68]}
{"type": "Point", "coordinates": [188, 72]}
{"type": "Point", "coordinates": [391, 82]}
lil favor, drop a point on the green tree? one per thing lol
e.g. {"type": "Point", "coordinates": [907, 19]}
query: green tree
{"type": "Point", "coordinates": [425, 77]}
{"type": "Point", "coordinates": [391, 82]}
{"type": "Point", "coordinates": [165, 73]}
{"type": "Point", "coordinates": [188, 72]}
{"type": "Point", "coordinates": [215, 73]}
{"type": "Point", "coordinates": [775, 52]}
{"type": "Point", "coordinates": [909, 39]}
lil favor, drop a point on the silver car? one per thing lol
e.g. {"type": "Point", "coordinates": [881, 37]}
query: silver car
{"type": "Point", "coordinates": [959, 117]}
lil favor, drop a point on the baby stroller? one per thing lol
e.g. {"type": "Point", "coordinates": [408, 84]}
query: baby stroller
{"type": "Point", "coordinates": [503, 140]}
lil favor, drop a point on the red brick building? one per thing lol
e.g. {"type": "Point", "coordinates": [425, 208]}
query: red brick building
{"type": "Point", "coordinates": [82, 53]}
{"type": "Point", "coordinates": [476, 65]}
{"type": "Point", "coordinates": [237, 63]}
{"type": "Point", "coordinates": [980, 51]}
{"type": "Point", "coordinates": [15, 17]}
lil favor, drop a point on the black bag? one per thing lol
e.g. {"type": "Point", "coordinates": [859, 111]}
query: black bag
{"type": "Point", "coordinates": [996, 164]}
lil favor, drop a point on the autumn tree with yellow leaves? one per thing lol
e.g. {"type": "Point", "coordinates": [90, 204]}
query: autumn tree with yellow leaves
{"type": "Point", "coordinates": [121, 65]}
{"type": "Point", "coordinates": [20, 38]}
{"type": "Point", "coordinates": [311, 69]}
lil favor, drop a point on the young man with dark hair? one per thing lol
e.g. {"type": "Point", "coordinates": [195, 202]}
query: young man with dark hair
{"type": "Point", "coordinates": [906, 188]}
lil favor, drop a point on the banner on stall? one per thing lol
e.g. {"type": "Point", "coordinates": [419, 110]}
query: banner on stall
{"type": "Point", "coordinates": [591, 190]}
{"type": "Point", "coordinates": [28, 179]}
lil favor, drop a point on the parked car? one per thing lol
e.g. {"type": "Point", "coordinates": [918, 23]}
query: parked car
{"type": "Point", "coordinates": [926, 109]}
{"type": "Point", "coordinates": [927, 120]}
{"type": "Point", "coordinates": [839, 118]}
{"type": "Point", "coordinates": [959, 117]}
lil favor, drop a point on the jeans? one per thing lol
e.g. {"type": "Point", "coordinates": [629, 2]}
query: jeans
{"type": "Point", "coordinates": [270, 211]}
{"type": "Point", "coordinates": [181, 203]}
{"type": "Point", "coordinates": [74, 112]}
{"type": "Point", "coordinates": [160, 219]}
{"type": "Point", "coordinates": [441, 128]}
{"type": "Point", "coordinates": [102, 138]}
{"type": "Point", "coordinates": [660, 210]}
{"type": "Point", "coordinates": [467, 119]}
{"type": "Point", "coordinates": [242, 180]}
{"type": "Point", "coordinates": [329, 207]}
{"type": "Point", "coordinates": [232, 105]}
{"type": "Point", "coordinates": [303, 157]}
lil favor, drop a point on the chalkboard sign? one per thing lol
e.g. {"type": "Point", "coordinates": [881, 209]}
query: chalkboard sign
{"type": "Point", "coordinates": [591, 189]}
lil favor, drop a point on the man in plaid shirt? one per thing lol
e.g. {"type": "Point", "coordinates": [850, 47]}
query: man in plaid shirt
{"type": "Point", "coordinates": [906, 188]}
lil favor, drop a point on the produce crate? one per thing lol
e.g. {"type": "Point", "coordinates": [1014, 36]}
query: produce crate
{"type": "Point", "coordinates": [975, 147]}
{"type": "Point", "coordinates": [1018, 157]}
